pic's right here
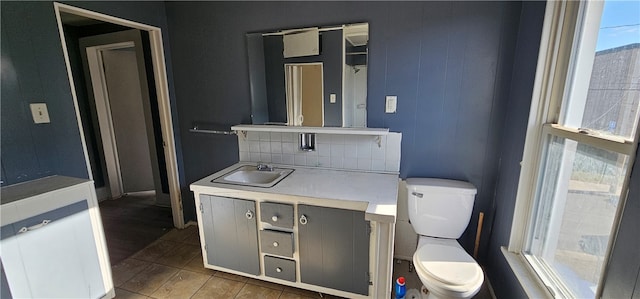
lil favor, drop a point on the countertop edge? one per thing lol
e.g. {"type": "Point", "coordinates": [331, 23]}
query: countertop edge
{"type": "Point", "coordinates": [372, 211]}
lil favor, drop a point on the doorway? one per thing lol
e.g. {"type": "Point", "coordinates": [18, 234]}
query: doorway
{"type": "Point", "coordinates": [124, 115]}
{"type": "Point", "coordinates": [304, 93]}
{"type": "Point", "coordinates": [159, 131]}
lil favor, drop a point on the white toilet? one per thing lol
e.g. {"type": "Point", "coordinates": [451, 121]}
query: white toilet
{"type": "Point", "coordinates": [439, 211]}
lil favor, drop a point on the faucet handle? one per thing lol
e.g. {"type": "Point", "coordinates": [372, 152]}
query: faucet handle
{"type": "Point", "coordinates": [264, 167]}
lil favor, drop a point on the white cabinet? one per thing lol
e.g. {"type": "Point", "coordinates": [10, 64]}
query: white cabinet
{"type": "Point", "coordinates": [52, 243]}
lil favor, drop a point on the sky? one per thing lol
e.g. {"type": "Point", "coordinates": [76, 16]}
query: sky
{"type": "Point", "coordinates": [620, 24]}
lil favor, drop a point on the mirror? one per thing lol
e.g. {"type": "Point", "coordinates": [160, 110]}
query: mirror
{"type": "Point", "coordinates": [310, 76]}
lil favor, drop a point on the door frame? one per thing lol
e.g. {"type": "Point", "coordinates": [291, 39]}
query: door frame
{"type": "Point", "coordinates": [162, 88]}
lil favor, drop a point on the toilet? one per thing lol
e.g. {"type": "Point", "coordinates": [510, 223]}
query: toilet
{"type": "Point", "coordinates": [439, 211]}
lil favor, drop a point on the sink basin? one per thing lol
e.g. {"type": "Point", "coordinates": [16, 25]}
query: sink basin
{"type": "Point", "coordinates": [249, 175]}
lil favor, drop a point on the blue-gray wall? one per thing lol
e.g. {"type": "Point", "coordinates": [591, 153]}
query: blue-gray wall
{"type": "Point", "coordinates": [463, 72]}
{"type": "Point", "coordinates": [449, 63]}
{"type": "Point", "coordinates": [512, 146]}
{"type": "Point", "coordinates": [33, 70]}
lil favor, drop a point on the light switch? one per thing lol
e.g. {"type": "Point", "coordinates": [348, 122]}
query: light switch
{"type": "Point", "coordinates": [332, 98]}
{"type": "Point", "coordinates": [40, 113]}
{"type": "Point", "coordinates": [391, 104]}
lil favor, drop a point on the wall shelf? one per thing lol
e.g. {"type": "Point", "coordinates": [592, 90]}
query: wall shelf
{"type": "Point", "coordinates": [318, 130]}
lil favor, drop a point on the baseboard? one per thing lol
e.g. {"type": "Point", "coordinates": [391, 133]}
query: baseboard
{"type": "Point", "coordinates": [190, 223]}
{"type": "Point", "coordinates": [490, 287]}
{"type": "Point", "coordinates": [404, 258]}
{"type": "Point", "coordinates": [142, 193]}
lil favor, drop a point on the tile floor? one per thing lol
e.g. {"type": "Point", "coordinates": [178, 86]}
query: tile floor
{"type": "Point", "coordinates": [171, 267]}
{"type": "Point", "coordinates": [131, 223]}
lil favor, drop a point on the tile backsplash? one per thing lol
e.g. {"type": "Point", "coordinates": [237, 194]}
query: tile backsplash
{"type": "Point", "coordinates": [351, 152]}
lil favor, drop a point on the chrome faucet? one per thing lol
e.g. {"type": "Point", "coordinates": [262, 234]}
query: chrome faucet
{"type": "Point", "coordinates": [264, 167]}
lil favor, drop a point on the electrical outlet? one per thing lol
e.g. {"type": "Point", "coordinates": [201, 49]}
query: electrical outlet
{"type": "Point", "coordinates": [332, 98]}
{"type": "Point", "coordinates": [391, 104]}
{"type": "Point", "coordinates": [40, 113]}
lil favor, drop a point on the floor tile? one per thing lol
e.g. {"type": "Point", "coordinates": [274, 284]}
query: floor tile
{"type": "Point", "coordinates": [150, 279]}
{"type": "Point", "coordinates": [197, 265]}
{"type": "Point", "coordinates": [156, 250]}
{"type": "Point", "coordinates": [127, 269]}
{"type": "Point", "coordinates": [193, 238]}
{"type": "Point", "coordinates": [124, 294]}
{"type": "Point", "coordinates": [231, 276]}
{"type": "Point", "coordinates": [131, 223]}
{"type": "Point", "coordinates": [182, 285]}
{"type": "Point", "coordinates": [218, 288]}
{"type": "Point", "coordinates": [401, 268]}
{"type": "Point", "coordinates": [252, 291]}
{"type": "Point", "coordinates": [179, 235]}
{"type": "Point", "coordinates": [180, 255]}
{"type": "Point", "coordinates": [302, 292]}
{"type": "Point", "coordinates": [266, 284]}
{"type": "Point", "coordinates": [286, 295]}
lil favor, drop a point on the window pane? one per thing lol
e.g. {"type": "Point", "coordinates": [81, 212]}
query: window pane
{"type": "Point", "coordinates": [613, 94]}
{"type": "Point", "coordinates": [575, 210]}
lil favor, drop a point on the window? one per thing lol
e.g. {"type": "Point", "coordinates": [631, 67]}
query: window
{"type": "Point", "coordinates": [582, 137]}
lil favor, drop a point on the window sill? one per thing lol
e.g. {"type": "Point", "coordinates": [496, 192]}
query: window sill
{"type": "Point", "coordinates": [533, 287]}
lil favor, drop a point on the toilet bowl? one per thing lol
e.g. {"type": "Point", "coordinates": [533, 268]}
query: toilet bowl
{"type": "Point", "coordinates": [446, 270]}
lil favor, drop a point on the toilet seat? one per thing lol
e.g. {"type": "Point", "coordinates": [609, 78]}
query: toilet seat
{"type": "Point", "coordinates": [444, 267]}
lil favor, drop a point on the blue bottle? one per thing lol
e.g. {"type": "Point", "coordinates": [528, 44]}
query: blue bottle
{"type": "Point", "coordinates": [401, 290]}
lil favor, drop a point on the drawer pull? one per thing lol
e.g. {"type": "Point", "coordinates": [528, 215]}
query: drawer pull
{"type": "Point", "coordinates": [303, 220]}
{"type": "Point", "coordinates": [278, 269]}
{"type": "Point", "coordinates": [249, 214]}
{"type": "Point", "coordinates": [275, 244]}
{"type": "Point", "coordinates": [25, 229]}
{"type": "Point", "coordinates": [274, 218]}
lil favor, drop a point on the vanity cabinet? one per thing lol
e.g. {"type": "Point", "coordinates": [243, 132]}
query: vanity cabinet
{"type": "Point", "coordinates": [326, 231]}
{"type": "Point", "coordinates": [230, 233]}
{"type": "Point", "coordinates": [334, 248]}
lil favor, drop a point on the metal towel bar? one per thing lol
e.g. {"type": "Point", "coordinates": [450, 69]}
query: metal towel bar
{"type": "Point", "coordinates": [212, 129]}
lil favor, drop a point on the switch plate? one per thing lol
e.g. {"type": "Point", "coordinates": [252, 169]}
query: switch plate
{"type": "Point", "coordinates": [391, 104]}
{"type": "Point", "coordinates": [332, 98]}
{"type": "Point", "coordinates": [40, 113]}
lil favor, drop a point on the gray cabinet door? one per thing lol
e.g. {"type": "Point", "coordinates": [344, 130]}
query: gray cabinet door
{"type": "Point", "coordinates": [231, 235]}
{"type": "Point", "coordinates": [334, 248]}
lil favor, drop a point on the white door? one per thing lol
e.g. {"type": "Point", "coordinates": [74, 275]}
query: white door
{"type": "Point", "coordinates": [116, 77]}
{"type": "Point", "coordinates": [127, 115]}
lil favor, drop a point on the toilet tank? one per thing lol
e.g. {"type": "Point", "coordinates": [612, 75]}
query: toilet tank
{"type": "Point", "coordinates": [438, 207]}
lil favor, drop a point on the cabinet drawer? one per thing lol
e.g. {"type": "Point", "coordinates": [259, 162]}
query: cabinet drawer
{"type": "Point", "coordinates": [277, 214]}
{"type": "Point", "coordinates": [280, 268]}
{"type": "Point", "coordinates": [278, 243]}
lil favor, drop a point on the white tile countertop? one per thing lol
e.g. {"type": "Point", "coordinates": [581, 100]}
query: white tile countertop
{"type": "Point", "coordinates": [374, 193]}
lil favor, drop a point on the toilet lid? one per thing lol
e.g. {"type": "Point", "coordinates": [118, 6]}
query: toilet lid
{"type": "Point", "coordinates": [448, 264]}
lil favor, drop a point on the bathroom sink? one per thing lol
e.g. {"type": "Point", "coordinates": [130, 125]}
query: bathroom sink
{"type": "Point", "coordinates": [249, 175]}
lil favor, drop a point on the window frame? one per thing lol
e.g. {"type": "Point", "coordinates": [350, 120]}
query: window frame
{"type": "Point", "coordinates": [566, 50]}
